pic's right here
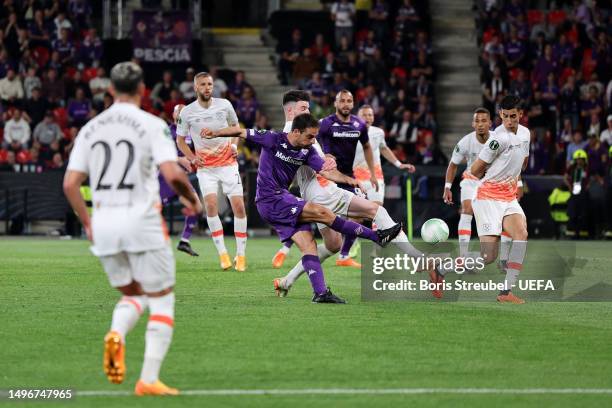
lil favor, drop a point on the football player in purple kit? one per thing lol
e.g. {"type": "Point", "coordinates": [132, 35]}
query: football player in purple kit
{"type": "Point", "coordinates": [338, 136]}
{"type": "Point", "coordinates": [167, 194]}
{"type": "Point", "coordinates": [282, 155]}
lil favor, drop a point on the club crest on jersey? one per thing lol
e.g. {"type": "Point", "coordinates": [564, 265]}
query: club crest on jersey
{"type": "Point", "coordinates": [284, 145]}
{"type": "Point", "coordinates": [494, 145]}
{"type": "Point", "coordinates": [168, 133]}
{"type": "Point", "coordinates": [457, 149]}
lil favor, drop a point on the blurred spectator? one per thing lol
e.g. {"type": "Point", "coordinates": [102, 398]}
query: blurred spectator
{"type": "Point", "coordinates": [175, 99]}
{"type": "Point", "coordinates": [320, 48]}
{"type": "Point", "coordinates": [591, 106]}
{"type": "Point", "coordinates": [53, 88]}
{"type": "Point", "coordinates": [594, 128]}
{"type": "Point", "coordinates": [11, 88]}
{"type": "Point", "coordinates": [378, 19]}
{"type": "Point", "coordinates": [74, 83]}
{"type": "Point", "coordinates": [316, 87]}
{"type": "Point", "coordinates": [219, 85]}
{"type": "Point", "coordinates": [545, 65]}
{"type": "Point", "coordinates": [538, 156]}
{"type": "Point", "coordinates": [403, 130]}
{"type": "Point", "coordinates": [324, 107]}
{"type": "Point", "coordinates": [64, 47]}
{"type": "Point", "coordinates": [99, 85]}
{"type": "Point", "coordinates": [606, 135]}
{"type": "Point", "coordinates": [329, 67]}
{"type": "Point", "coordinates": [11, 42]}
{"type": "Point", "coordinates": [161, 90]}
{"type": "Point", "coordinates": [16, 132]}
{"type": "Point", "coordinates": [577, 144]}
{"type": "Point", "coordinates": [79, 109]}
{"type": "Point", "coordinates": [30, 82]}
{"type": "Point", "coordinates": [407, 19]}
{"type": "Point", "coordinates": [47, 131]}
{"type": "Point", "coordinates": [40, 30]}
{"type": "Point", "coordinates": [521, 86]}
{"type": "Point", "coordinates": [186, 87]}
{"type": "Point", "coordinates": [305, 66]}
{"type": "Point", "coordinates": [36, 106]}
{"type": "Point", "coordinates": [430, 153]}
{"type": "Point", "coordinates": [492, 88]}
{"type": "Point", "coordinates": [598, 158]}
{"type": "Point", "coordinates": [236, 88]}
{"type": "Point", "coordinates": [90, 50]}
{"type": "Point", "coordinates": [247, 108]}
{"type": "Point", "coordinates": [565, 134]}
{"type": "Point", "coordinates": [61, 22]}
{"type": "Point", "coordinates": [570, 101]}
{"type": "Point", "coordinates": [289, 52]}
{"type": "Point", "coordinates": [343, 13]}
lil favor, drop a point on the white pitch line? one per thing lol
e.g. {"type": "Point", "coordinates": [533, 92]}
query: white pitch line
{"type": "Point", "coordinates": [362, 391]}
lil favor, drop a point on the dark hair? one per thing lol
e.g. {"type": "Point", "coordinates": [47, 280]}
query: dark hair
{"type": "Point", "coordinates": [510, 102]}
{"type": "Point", "coordinates": [201, 75]}
{"type": "Point", "coordinates": [125, 77]}
{"type": "Point", "coordinates": [303, 121]}
{"type": "Point", "coordinates": [482, 110]}
{"type": "Point", "coordinates": [295, 95]}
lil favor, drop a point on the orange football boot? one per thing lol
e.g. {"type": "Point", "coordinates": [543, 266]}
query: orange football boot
{"type": "Point", "coordinates": [225, 261]}
{"type": "Point", "coordinates": [279, 260]}
{"type": "Point", "coordinates": [240, 263]}
{"type": "Point", "coordinates": [348, 262]}
{"type": "Point", "coordinates": [114, 358]}
{"type": "Point", "coordinates": [157, 388]}
{"type": "Point", "coordinates": [510, 298]}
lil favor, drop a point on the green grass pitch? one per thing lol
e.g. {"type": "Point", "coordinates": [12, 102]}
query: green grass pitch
{"type": "Point", "coordinates": [231, 332]}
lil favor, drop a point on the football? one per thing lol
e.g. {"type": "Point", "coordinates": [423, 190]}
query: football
{"type": "Point", "coordinates": [434, 230]}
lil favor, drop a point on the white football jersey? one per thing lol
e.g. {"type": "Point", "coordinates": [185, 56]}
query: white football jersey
{"type": "Point", "coordinates": [377, 141]}
{"type": "Point", "coordinates": [120, 150]}
{"type": "Point", "coordinates": [467, 149]}
{"type": "Point", "coordinates": [220, 114]}
{"type": "Point", "coordinates": [505, 153]}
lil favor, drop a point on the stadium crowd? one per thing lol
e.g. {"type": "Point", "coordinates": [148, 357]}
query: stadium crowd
{"type": "Point", "coordinates": [559, 63]}
{"type": "Point", "coordinates": [383, 55]}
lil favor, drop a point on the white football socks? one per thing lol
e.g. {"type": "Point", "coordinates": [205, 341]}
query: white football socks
{"type": "Point", "coordinates": [126, 314]}
{"type": "Point", "coordinates": [158, 336]}
{"type": "Point", "coordinates": [216, 229]}
{"type": "Point", "coordinates": [465, 233]}
{"type": "Point", "coordinates": [504, 246]}
{"type": "Point", "coordinates": [240, 231]}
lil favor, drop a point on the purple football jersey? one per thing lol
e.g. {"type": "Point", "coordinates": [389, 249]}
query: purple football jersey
{"type": "Point", "coordinates": [340, 140]}
{"type": "Point", "coordinates": [279, 161]}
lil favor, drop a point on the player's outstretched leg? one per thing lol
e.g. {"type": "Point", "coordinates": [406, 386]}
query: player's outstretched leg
{"type": "Point", "coordinates": [281, 255]}
{"type": "Point", "coordinates": [157, 341]}
{"type": "Point", "coordinates": [184, 245]}
{"type": "Point", "coordinates": [125, 316]}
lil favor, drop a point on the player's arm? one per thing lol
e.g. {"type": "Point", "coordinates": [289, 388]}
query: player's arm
{"type": "Point", "coordinates": [392, 158]}
{"type": "Point", "coordinates": [233, 131]}
{"type": "Point", "coordinates": [72, 185]}
{"type": "Point", "coordinates": [181, 143]}
{"type": "Point", "coordinates": [478, 168]}
{"type": "Point", "coordinates": [451, 172]}
{"type": "Point", "coordinates": [177, 179]}
{"type": "Point", "coordinates": [369, 158]}
{"type": "Point", "coordinates": [337, 177]}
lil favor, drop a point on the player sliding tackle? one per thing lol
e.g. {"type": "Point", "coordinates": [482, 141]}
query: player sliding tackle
{"type": "Point", "coordinates": [496, 208]}
{"type": "Point", "coordinates": [319, 190]}
{"type": "Point", "coordinates": [281, 157]}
